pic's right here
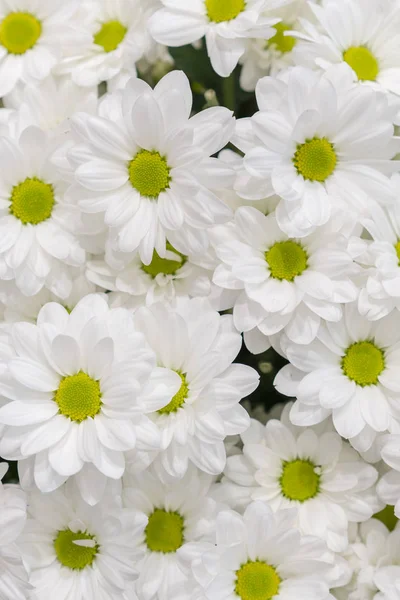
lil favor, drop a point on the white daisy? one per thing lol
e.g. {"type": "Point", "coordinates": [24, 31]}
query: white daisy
{"type": "Point", "coordinates": [350, 371]}
{"type": "Point", "coordinates": [73, 387]}
{"type": "Point", "coordinates": [226, 25]}
{"type": "Point", "coordinates": [178, 514]}
{"type": "Point", "coordinates": [32, 37]}
{"type": "Point", "coordinates": [311, 470]}
{"type": "Point", "coordinates": [318, 142]}
{"type": "Point", "coordinates": [365, 38]}
{"type": "Point", "coordinates": [146, 167]}
{"type": "Point", "coordinates": [284, 284]}
{"type": "Point", "coordinates": [388, 487]}
{"type": "Point", "coordinates": [38, 228]}
{"type": "Point", "coordinates": [13, 575]}
{"type": "Point", "coordinates": [78, 552]}
{"type": "Point", "coordinates": [196, 342]}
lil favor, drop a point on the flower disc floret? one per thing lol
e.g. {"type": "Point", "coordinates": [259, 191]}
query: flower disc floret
{"type": "Point", "coordinates": [32, 201]}
{"type": "Point", "coordinates": [224, 10]}
{"type": "Point", "coordinates": [179, 399]}
{"type": "Point", "coordinates": [164, 531]}
{"type": "Point", "coordinates": [19, 32]}
{"type": "Point", "coordinates": [165, 266]}
{"type": "Point", "coordinates": [78, 397]}
{"type": "Point", "coordinates": [363, 62]}
{"type": "Point", "coordinates": [363, 362]}
{"type": "Point", "coordinates": [110, 35]}
{"type": "Point", "coordinates": [73, 555]}
{"type": "Point", "coordinates": [283, 43]}
{"type": "Point", "coordinates": [256, 580]}
{"type": "Point", "coordinates": [286, 260]}
{"type": "Point", "coordinates": [315, 160]}
{"type": "Point", "coordinates": [299, 481]}
{"type": "Point", "coordinates": [149, 173]}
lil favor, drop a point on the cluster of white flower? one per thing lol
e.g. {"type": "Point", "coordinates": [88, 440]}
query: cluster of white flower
{"type": "Point", "coordinates": [141, 241]}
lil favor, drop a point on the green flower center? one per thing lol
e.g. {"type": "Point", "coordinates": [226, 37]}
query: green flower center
{"type": "Point", "coordinates": [256, 580]}
{"type": "Point", "coordinates": [167, 266]}
{"type": "Point", "coordinates": [315, 160]}
{"type": "Point", "coordinates": [397, 248]}
{"type": "Point", "coordinates": [78, 397]}
{"type": "Point", "coordinates": [71, 555]}
{"type": "Point", "coordinates": [387, 517]}
{"type": "Point", "coordinates": [363, 62]}
{"type": "Point", "coordinates": [19, 32]}
{"type": "Point", "coordinates": [179, 399]}
{"type": "Point", "coordinates": [299, 481]}
{"type": "Point", "coordinates": [283, 43]}
{"type": "Point", "coordinates": [164, 531]}
{"type": "Point", "coordinates": [149, 173]}
{"type": "Point", "coordinates": [32, 201]}
{"type": "Point", "coordinates": [224, 10]}
{"type": "Point", "coordinates": [363, 362]}
{"type": "Point", "coordinates": [110, 35]}
{"type": "Point", "coordinates": [286, 260]}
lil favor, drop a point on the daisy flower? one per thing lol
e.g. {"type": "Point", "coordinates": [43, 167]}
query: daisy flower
{"type": "Point", "coordinates": [73, 386]}
{"type": "Point", "coordinates": [147, 168]}
{"type": "Point", "coordinates": [311, 470]}
{"type": "Point", "coordinates": [300, 145]}
{"type": "Point", "coordinates": [284, 284]}
{"type": "Point", "coordinates": [38, 228]}
{"type": "Point", "coordinates": [33, 35]}
{"type": "Point", "coordinates": [178, 514]}
{"type": "Point", "coordinates": [345, 32]}
{"type": "Point", "coordinates": [198, 344]}
{"type": "Point", "coordinates": [13, 575]}
{"type": "Point", "coordinates": [350, 371]}
{"type": "Point", "coordinates": [226, 25]}
{"type": "Point", "coordinates": [80, 552]}
{"type": "Point", "coordinates": [388, 487]}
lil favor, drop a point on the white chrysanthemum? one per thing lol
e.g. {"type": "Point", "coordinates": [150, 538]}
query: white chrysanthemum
{"type": "Point", "coordinates": [146, 167]}
{"type": "Point", "coordinates": [261, 556]}
{"type": "Point", "coordinates": [178, 514]}
{"type": "Point", "coordinates": [284, 284]}
{"type": "Point", "coordinates": [388, 487]}
{"type": "Point", "coordinates": [13, 575]}
{"type": "Point", "coordinates": [350, 371]}
{"type": "Point", "coordinates": [196, 342]}
{"type": "Point", "coordinates": [38, 241]}
{"type": "Point", "coordinates": [311, 470]}
{"type": "Point", "coordinates": [226, 25]}
{"type": "Point", "coordinates": [74, 386]}
{"type": "Point", "coordinates": [33, 35]}
{"type": "Point", "coordinates": [366, 39]}
{"type": "Point", "coordinates": [79, 552]}
{"type": "Point", "coordinates": [318, 142]}
{"type": "Point", "coordinates": [113, 40]}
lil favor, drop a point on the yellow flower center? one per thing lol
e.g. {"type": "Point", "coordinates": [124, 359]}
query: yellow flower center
{"type": "Point", "coordinates": [164, 531]}
{"type": "Point", "coordinates": [179, 399]}
{"type": "Point", "coordinates": [167, 266]}
{"type": "Point", "coordinates": [19, 32]}
{"type": "Point", "coordinates": [78, 397]}
{"type": "Point", "coordinates": [315, 160]}
{"type": "Point", "coordinates": [256, 580]}
{"type": "Point", "coordinates": [363, 62]}
{"type": "Point", "coordinates": [149, 173]}
{"type": "Point", "coordinates": [397, 248]}
{"type": "Point", "coordinates": [387, 517]}
{"type": "Point", "coordinates": [110, 35]}
{"type": "Point", "coordinates": [299, 481]}
{"type": "Point", "coordinates": [72, 555]}
{"type": "Point", "coordinates": [32, 201]}
{"type": "Point", "coordinates": [286, 260]}
{"type": "Point", "coordinates": [224, 10]}
{"type": "Point", "coordinates": [283, 43]}
{"type": "Point", "coordinates": [363, 362]}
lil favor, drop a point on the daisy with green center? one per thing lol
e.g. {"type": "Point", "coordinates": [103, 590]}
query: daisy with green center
{"type": "Point", "coordinates": [300, 146]}
{"type": "Point", "coordinates": [148, 171]}
{"type": "Point", "coordinates": [350, 371]}
{"type": "Point", "coordinates": [197, 344]}
{"type": "Point", "coordinates": [85, 374]}
{"type": "Point", "coordinates": [309, 469]}
{"type": "Point", "coordinates": [70, 547]}
{"type": "Point", "coordinates": [226, 25]}
{"type": "Point", "coordinates": [282, 284]}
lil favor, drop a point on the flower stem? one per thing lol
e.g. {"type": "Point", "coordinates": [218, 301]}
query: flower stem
{"type": "Point", "coordinates": [229, 93]}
